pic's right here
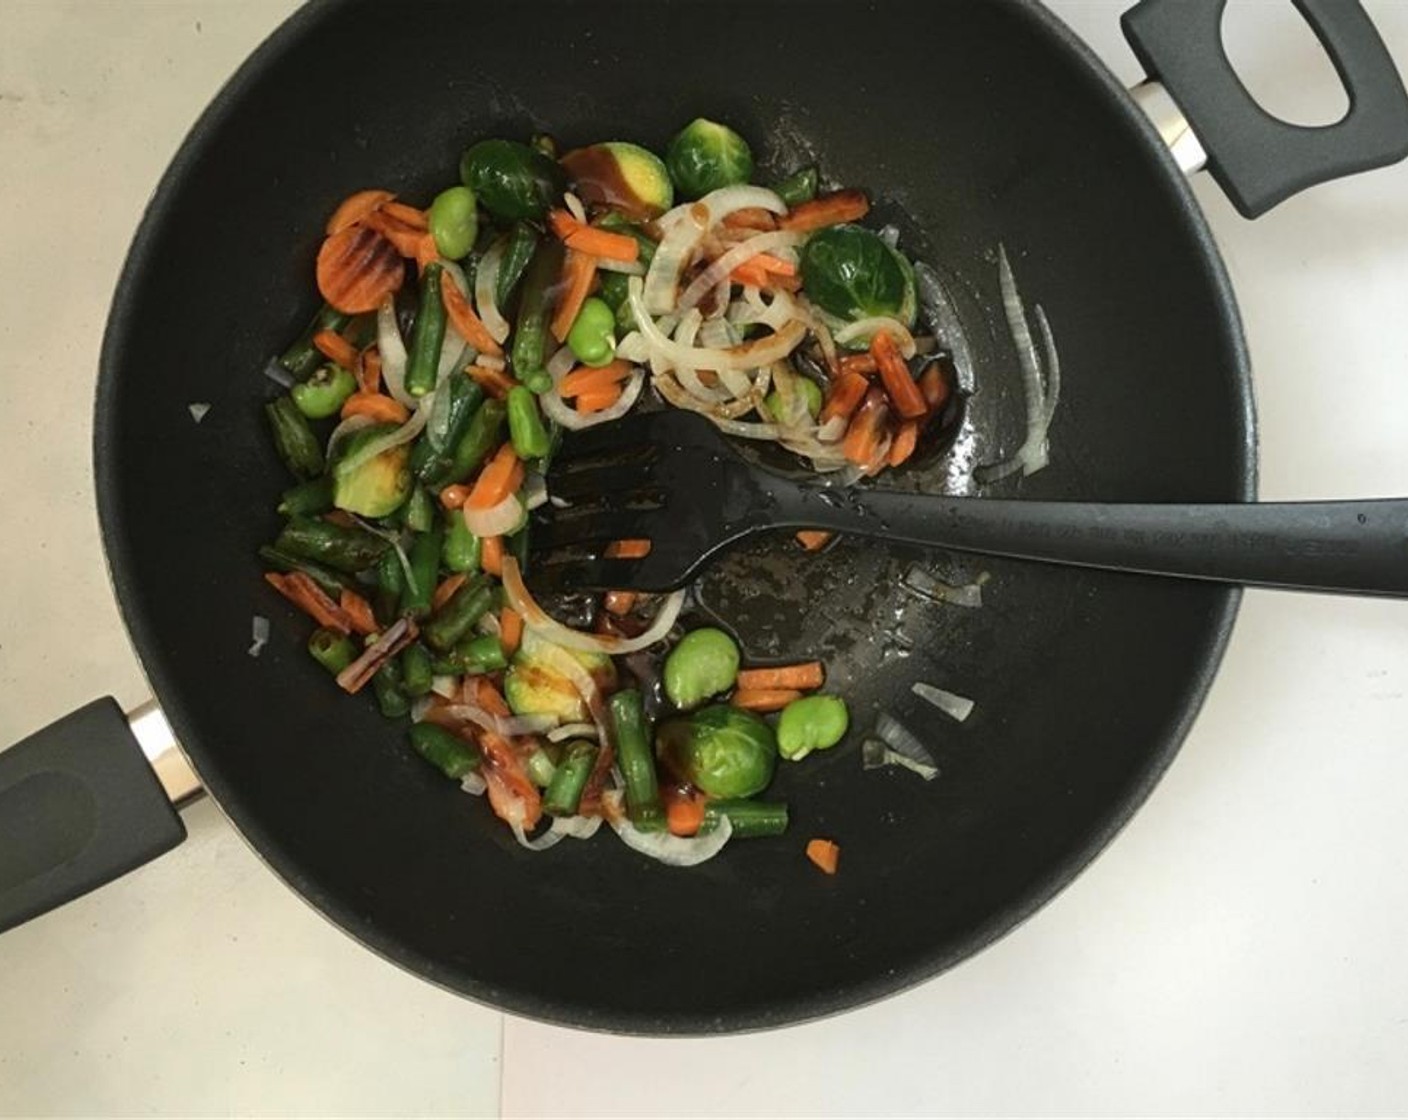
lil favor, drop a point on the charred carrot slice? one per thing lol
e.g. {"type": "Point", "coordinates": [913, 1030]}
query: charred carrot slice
{"type": "Point", "coordinates": [357, 269]}
{"type": "Point", "coordinates": [378, 406]}
{"type": "Point", "coordinates": [751, 274]}
{"type": "Point", "coordinates": [904, 391]}
{"type": "Point", "coordinates": [863, 364]}
{"type": "Point", "coordinates": [308, 597]}
{"type": "Point", "coordinates": [805, 675]}
{"type": "Point", "coordinates": [358, 611]}
{"type": "Point", "coordinates": [497, 480]}
{"type": "Point", "coordinates": [405, 238]}
{"type": "Point", "coordinates": [491, 555]}
{"type": "Point", "coordinates": [470, 326]}
{"type": "Point", "coordinates": [490, 698]}
{"type": "Point", "coordinates": [335, 348]}
{"type": "Point", "coordinates": [826, 854]}
{"type": "Point", "coordinates": [813, 540]}
{"type": "Point", "coordinates": [586, 379]}
{"type": "Point", "coordinates": [764, 699]}
{"type": "Point", "coordinates": [369, 371]}
{"type": "Point", "coordinates": [407, 215]}
{"type": "Point", "coordinates": [828, 210]}
{"type": "Point", "coordinates": [905, 441]}
{"type": "Point", "coordinates": [847, 391]}
{"type": "Point", "coordinates": [578, 272]}
{"type": "Point", "coordinates": [356, 208]}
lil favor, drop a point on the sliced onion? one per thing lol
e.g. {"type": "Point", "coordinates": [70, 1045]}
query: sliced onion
{"type": "Point", "coordinates": [575, 207]}
{"type": "Point", "coordinates": [722, 268]}
{"type": "Point", "coordinates": [490, 361]}
{"type": "Point", "coordinates": [453, 354]}
{"type": "Point", "coordinates": [393, 352]}
{"type": "Point", "coordinates": [833, 430]}
{"type": "Point", "coordinates": [685, 372]}
{"type": "Point", "coordinates": [535, 491]}
{"type": "Point", "coordinates": [578, 828]}
{"type": "Point", "coordinates": [275, 372]}
{"type": "Point", "coordinates": [509, 727]}
{"type": "Point", "coordinates": [556, 408]}
{"type": "Point", "coordinates": [630, 268]}
{"type": "Point", "coordinates": [347, 428]}
{"type": "Point", "coordinates": [259, 635]}
{"type": "Point", "coordinates": [928, 586]}
{"type": "Point", "coordinates": [874, 753]}
{"type": "Point", "coordinates": [677, 851]}
{"type": "Point", "coordinates": [572, 731]}
{"type": "Point", "coordinates": [548, 627]}
{"type": "Point", "coordinates": [673, 392]}
{"type": "Point", "coordinates": [634, 348]}
{"type": "Point", "coordinates": [865, 328]}
{"type": "Point", "coordinates": [486, 285]}
{"type": "Point", "coordinates": [473, 783]}
{"type": "Point", "coordinates": [747, 355]}
{"type": "Point", "coordinates": [561, 661]}
{"type": "Point", "coordinates": [901, 739]}
{"type": "Point", "coordinates": [1053, 365]}
{"type": "Point", "coordinates": [561, 363]}
{"type": "Point", "coordinates": [495, 521]}
{"type": "Point", "coordinates": [724, 201]}
{"type": "Point", "coordinates": [540, 843]}
{"type": "Point", "coordinates": [198, 409]}
{"type": "Point", "coordinates": [950, 703]}
{"type": "Point", "coordinates": [662, 278]}
{"type": "Point", "coordinates": [446, 686]}
{"type": "Point", "coordinates": [717, 332]}
{"type": "Point", "coordinates": [374, 447]}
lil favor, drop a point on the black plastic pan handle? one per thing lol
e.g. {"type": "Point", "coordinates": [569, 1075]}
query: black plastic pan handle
{"type": "Point", "coordinates": [1257, 159]}
{"type": "Point", "coordinates": [79, 806]}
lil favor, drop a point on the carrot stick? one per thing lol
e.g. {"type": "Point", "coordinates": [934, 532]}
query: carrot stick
{"type": "Point", "coordinates": [355, 208]}
{"type": "Point", "coordinates": [858, 363]}
{"type": "Point", "coordinates": [806, 675]}
{"type": "Point", "coordinates": [776, 265]}
{"type": "Point", "coordinates": [598, 399]}
{"type": "Point", "coordinates": [813, 540]}
{"type": "Point", "coordinates": [407, 215]}
{"type": "Point", "coordinates": [578, 272]}
{"type": "Point", "coordinates": [369, 371]}
{"type": "Point", "coordinates": [631, 549]}
{"type": "Point", "coordinates": [497, 480]}
{"type": "Point", "coordinates": [426, 251]}
{"type": "Point", "coordinates": [587, 379]}
{"type": "Point", "coordinates": [764, 699]}
{"type": "Point", "coordinates": [750, 217]}
{"type": "Point", "coordinates": [751, 274]}
{"type": "Point", "coordinates": [934, 387]}
{"type": "Point", "coordinates": [510, 630]}
{"type": "Point", "coordinates": [446, 588]}
{"type": "Point", "coordinates": [904, 393]}
{"type": "Point", "coordinates": [828, 210]}
{"type": "Point", "coordinates": [381, 408]}
{"type": "Point", "coordinates": [335, 348]}
{"type": "Point", "coordinates": [826, 854]}
{"type": "Point", "coordinates": [490, 698]}
{"type": "Point", "coordinates": [905, 441]}
{"type": "Point", "coordinates": [863, 437]}
{"type": "Point", "coordinates": [358, 611]}
{"type": "Point", "coordinates": [847, 391]}
{"type": "Point", "coordinates": [495, 382]}
{"type": "Point", "coordinates": [491, 555]}
{"type": "Point", "coordinates": [465, 320]}
{"type": "Point", "coordinates": [595, 242]}
{"type": "Point", "coordinates": [684, 816]}
{"type": "Point", "coordinates": [308, 597]}
{"type": "Point", "coordinates": [357, 269]}
{"type": "Point", "coordinates": [619, 602]}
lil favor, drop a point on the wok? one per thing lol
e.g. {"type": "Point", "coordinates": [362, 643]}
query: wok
{"type": "Point", "coordinates": [1003, 129]}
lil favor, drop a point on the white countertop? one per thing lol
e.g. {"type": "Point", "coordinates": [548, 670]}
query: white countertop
{"type": "Point", "coordinates": [1238, 950]}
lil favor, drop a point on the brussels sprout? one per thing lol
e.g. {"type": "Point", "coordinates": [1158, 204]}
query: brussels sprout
{"type": "Point", "coordinates": [511, 180]}
{"type": "Point", "coordinates": [722, 750]}
{"type": "Point", "coordinates": [625, 176]}
{"type": "Point", "coordinates": [705, 156]}
{"type": "Point", "coordinates": [535, 685]}
{"type": "Point", "coordinates": [812, 723]}
{"type": "Point", "coordinates": [811, 395]}
{"type": "Point", "coordinates": [379, 485]}
{"type": "Point", "coordinates": [851, 274]}
{"type": "Point", "coordinates": [704, 664]}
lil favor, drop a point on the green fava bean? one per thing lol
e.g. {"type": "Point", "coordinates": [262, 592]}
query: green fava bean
{"type": "Point", "coordinates": [323, 393]}
{"type": "Point", "coordinates": [721, 750]}
{"type": "Point", "coordinates": [454, 222]}
{"type": "Point", "coordinates": [811, 724]}
{"type": "Point", "coordinates": [704, 664]}
{"type": "Point", "coordinates": [811, 396]}
{"type": "Point", "coordinates": [593, 334]}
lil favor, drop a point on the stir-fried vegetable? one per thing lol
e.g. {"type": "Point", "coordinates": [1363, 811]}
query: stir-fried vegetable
{"type": "Point", "coordinates": [706, 156]}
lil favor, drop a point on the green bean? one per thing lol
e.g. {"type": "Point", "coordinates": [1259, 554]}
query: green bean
{"type": "Point", "coordinates": [540, 767]}
{"type": "Point", "coordinates": [419, 511]}
{"type": "Point", "coordinates": [386, 684]}
{"type": "Point", "coordinates": [330, 581]}
{"type": "Point", "coordinates": [294, 440]}
{"type": "Point", "coordinates": [518, 251]}
{"type": "Point", "coordinates": [525, 424]}
{"type": "Point", "coordinates": [478, 442]}
{"type": "Point", "coordinates": [798, 187]}
{"type": "Point", "coordinates": [703, 664]}
{"type": "Point", "coordinates": [812, 723]}
{"type": "Point", "coordinates": [447, 752]}
{"type": "Point", "coordinates": [324, 393]}
{"type": "Point", "coordinates": [592, 336]}
{"type": "Point", "coordinates": [637, 763]}
{"type": "Point", "coordinates": [417, 674]}
{"type": "Point", "coordinates": [530, 337]}
{"type": "Point", "coordinates": [544, 143]}
{"type": "Point", "coordinates": [461, 549]}
{"type": "Point", "coordinates": [432, 457]}
{"type": "Point", "coordinates": [480, 653]}
{"type": "Point", "coordinates": [615, 289]}
{"type": "Point", "coordinates": [302, 358]}
{"type": "Point", "coordinates": [307, 498]}
{"type": "Point", "coordinates": [346, 549]}
{"type": "Point", "coordinates": [427, 334]}
{"type": "Point", "coordinates": [333, 651]}
{"type": "Point", "coordinates": [454, 222]}
{"type": "Point", "coordinates": [390, 585]}
{"type": "Point", "coordinates": [460, 612]}
{"type": "Point", "coordinates": [564, 792]}
{"type": "Point", "coordinates": [747, 818]}
{"type": "Point", "coordinates": [425, 564]}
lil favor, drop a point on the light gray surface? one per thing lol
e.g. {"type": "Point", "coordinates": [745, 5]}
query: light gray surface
{"type": "Point", "coordinates": [1237, 951]}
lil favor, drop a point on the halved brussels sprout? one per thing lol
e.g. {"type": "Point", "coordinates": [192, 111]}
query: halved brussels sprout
{"type": "Point", "coordinates": [621, 175]}
{"type": "Point", "coordinates": [535, 685]}
{"type": "Point", "coordinates": [378, 486]}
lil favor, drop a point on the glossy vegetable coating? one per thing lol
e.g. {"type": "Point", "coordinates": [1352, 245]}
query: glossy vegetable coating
{"type": "Point", "coordinates": [451, 755]}
{"type": "Point", "coordinates": [294, 440]}
{"type": "Point", "coordinates": [624, 176]}
{"type": "Point", "coordinates": [324, 393]}
{"type": "Point", "coordinates": [564, 792]}
{"type": "Point", "coordinates": [460, 612]}
{"type": "Point", "coordinates": [535, 307]}
{"type": "Point", "coordinates": [593, 334]}
{"type": "Point", "coordinates": [427, 335]}
{"type": "Point", "coordinates": [519, 248]}
{"type": "Point", "coordinates": [417, 675]}
{"type": "Point", "coordinates": [748, 819]}
{"type": "Point", "coordinates": [703, 664]}
{"type": "Point", "coordinates": [636, 760]}
{"type": "Point", "coordinates": [512, 181]}
{"type": "Point", "coordinates": [460, 551]}
{"type": "Point", "coordinates": [721, 750]}
{"type": "Point", "coordinates": [346, 549]}
{"type": "Point", "coordinates": [307, 498]}
{"type": "Point", "coordinates": [525, 424]}
{"type": "Point", "coordinates": [424, 556]}
{"type": "Point", "coordinates": [705, 156]}
{"type": "Point", "coordinates": [811, 724]}
{"type": "Point", "coordinates": [454, 222]}
{"type": "Point", "coordinates": [851, 274]}
{"type": "Point", "coordinates": [330, 581]}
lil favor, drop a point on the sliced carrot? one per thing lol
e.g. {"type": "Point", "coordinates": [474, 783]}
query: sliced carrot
{"type": "Point", "coordinates": [904, 392]}
{"type": "Point", "coordinates": [684, 815]}
{"type": "Point", "coordinates": [784, 283]}
{"type": "Point", "coordinates": [619, 602]}
{"type": "Point", "coordinates": [589, 379]}
{"type": "Point", "coordinates": [630, 549]}
{"type": "Point", "coordinates": [750, 274]}
{"type": "Point", "coordinates": [355, 208]}
{"type": "Point", "coordinates": [495, 382]}
{"type": "Point", "coordinates": [378, 406]}
{"type": "Point", "coordinates": [578, 272]}
{"type": "Point", "coordinates": [828, 210]}
{"type": "Point", "coordinates": [751, 217]}
{"type": "Point", "coordinates": [863, 364]}
{"type": "Point", "coordinates": [465, 320]}
{"type": "Point", "coordinates": [511, 794]}
{"type": "Point", "coordinates": [805, 675]}
{"type": "Point", "coordinates": [358, 611]}
{"type": "Point", "coordinates": [407, 215]}
{"type": "Point", "coordinates": [369, 371]}
{"type": "Point", "coordinates": [866, 431]}
{"type": "Point", "coordinates": [595, 242]}
{"type": "Point", "coordinates": [308, 597]}
{"type": "Point", "coordinates": [446, 588]}
{"type": "Point", "coordinates": [357, 269]}
{"type": "Point", "coordinates": [335, 348]}
{"type": "Point", "coordinates": [775, 265]}
{"type": "Point", "coordinates": [934, 386]}
{"type": "Point", "coordinates": [826, 854]}
{"type": "Point", "coordinates": [598, 400]}
{"type": "Point", "coordinates": [491, 555]}
{"type": "Point", "coordinates": [764, 699]}
{"type": "Point", "coordinates": [490, 698]}
{"type": "Point", "coordinates": [903, 445]}
{"type": "Point", "coordinates": [453, 496]}
{"type": "Point", "coordinates": [405, 238]}
{"type": "Point", "coordinates": [510, 629]}
{"type": "Point", "coordinates": [426, 251]}
{"type": "Point", "coordinates": [846, 393]}
{"type": "Point", "coordinates": [498, 479]}
{"type": "Point", "coordinates": [813, 540]}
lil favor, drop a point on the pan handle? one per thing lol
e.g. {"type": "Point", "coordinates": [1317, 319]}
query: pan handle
{"type": "Point", "coordinates": [1259, 160]}
{"type": "Point", "coordinates": [80, 805]}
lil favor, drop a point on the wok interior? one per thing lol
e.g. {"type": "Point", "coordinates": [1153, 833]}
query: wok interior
{"type": "Point", "coordinates": [970, 124]}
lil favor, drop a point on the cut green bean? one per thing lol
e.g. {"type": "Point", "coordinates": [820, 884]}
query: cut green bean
{"type": "Point", "coordinates": [530, 336]}
{"type": "Point", "coordinates": [427, 335]}
{"type": "Point", "coordinates": [302, 358]}
{"type": "Point", "coordinates": [525, 424]}
{"type": "Point", "coordinates": [432, 457]}
{"type": "Point", "coordinates": [478, 442]}
{"type": "Point", "coordinates": [390, 585]}
{"type": "Point", "coordinates": [387, 686]}
{"type": "Point", "coordinates": [798, 187]}
{"type": "Point", "coordinates": [324, 393]}
{"type": "Point", "coordinates": [337, 546]}
{"type": "Point", "coordinates": [424, 556]}
{"type": "Point", "coordinates": [417, 673]}
{"type": "Point", "coordinates": [522, 243]}
{"type": "Point", "coordinates": [637, 762]}
{"type": "Point", "coordinates": [307, 499]}
{"type": "Point", "coordinates": [459, 613]}
{"type": "Point", "coordinates": [564, 792]}
{"type": "Point", "coordinates": [461, 549]}
{"type": "Point", "coordinates": [294, 440]}
{"type": "Point", "coordinates": [540, 767]}
{"type": "Point", "coordinates": [419, 511]}
{"type": "Point", "coordinates": [452, 756]}
{"type": "Point", "coordinates": [747, 818]}
{"type": "Point", "coordinates": [482, 653]}
{"type": "Point", "coordinates": [333, 651]}
{"type": "Point", "coordinates": [330, 581]}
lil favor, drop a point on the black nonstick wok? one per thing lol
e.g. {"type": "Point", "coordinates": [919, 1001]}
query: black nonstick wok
{"type": "Point", "coordinates": [972, 124]}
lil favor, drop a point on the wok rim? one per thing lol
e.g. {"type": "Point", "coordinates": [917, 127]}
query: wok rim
{"type": "Point", "coordinates": [146, 641]}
